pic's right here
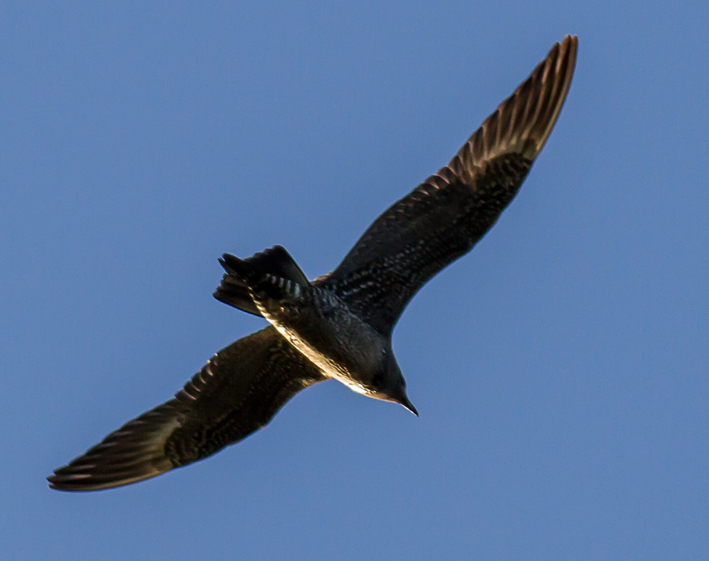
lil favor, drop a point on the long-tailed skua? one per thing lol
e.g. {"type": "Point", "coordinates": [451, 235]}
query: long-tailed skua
{"type": "Point", "coordinates": [339, 325]}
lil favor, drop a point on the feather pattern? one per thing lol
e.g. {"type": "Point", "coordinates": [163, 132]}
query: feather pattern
{"type": "Point", "coordinates": [274, 262]}
{"type": "Point", "coordinates": [447, 214]}
{"type": "Point", "coordinates": [236, 393]}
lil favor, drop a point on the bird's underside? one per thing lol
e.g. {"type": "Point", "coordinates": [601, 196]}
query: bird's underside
{"type": "Point", "coordinates": [244, 385]}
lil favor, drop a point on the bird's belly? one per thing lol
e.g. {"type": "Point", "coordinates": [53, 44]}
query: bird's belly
{"type": "Point", "coordinates": [328, 366]}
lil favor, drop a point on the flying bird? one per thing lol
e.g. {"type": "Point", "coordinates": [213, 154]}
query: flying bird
{"type": "Point", "coordinates": [340, 324]}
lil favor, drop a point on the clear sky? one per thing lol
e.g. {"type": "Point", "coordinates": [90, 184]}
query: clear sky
{"type": "Point", "coordinates": [560, 369]}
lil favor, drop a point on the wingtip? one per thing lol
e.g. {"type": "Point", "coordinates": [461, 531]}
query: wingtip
{"type": "Point", "coordinates": [50, 482]}
{"type": "Point", "coordinates": [523, 122]}
{"type": "Point", "coordinates": [570, 43]}
{"type": "Point", "coordinates": [561, 63]}
{"type": "Point", "coordinates": [557, 71]}
{"type": "Point", "coordinates": [82, 477]}
{"type": "Point", "coordinates": [571, 39]}
{"type": "Point", "coordinates": [65, 484]}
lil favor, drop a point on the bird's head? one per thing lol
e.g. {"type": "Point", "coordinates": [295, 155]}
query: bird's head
{"type": "Point", "coordinates": [388, 383]}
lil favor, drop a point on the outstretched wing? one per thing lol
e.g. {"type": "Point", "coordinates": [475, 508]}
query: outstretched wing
{"type": "Point", "coordinates": [445, 216]}
{"type": "Point", "coordinates": [237, 392]}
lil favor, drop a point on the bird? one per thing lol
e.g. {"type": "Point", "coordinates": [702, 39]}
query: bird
{"type": "Point", "coordinates": [339, 326]}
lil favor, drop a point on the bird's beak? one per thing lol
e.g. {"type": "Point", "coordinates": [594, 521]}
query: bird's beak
{"type": "Point", "coordinates": [409, 406]}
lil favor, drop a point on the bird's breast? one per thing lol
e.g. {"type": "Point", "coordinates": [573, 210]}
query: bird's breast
{"type": "Point", "coordinates": [340, 344]}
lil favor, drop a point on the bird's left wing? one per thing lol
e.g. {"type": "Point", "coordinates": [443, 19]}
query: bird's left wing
{"type": "Point", "coordinates": [237, 392]}
{"type": "Point", "coordinates": [445, 216]}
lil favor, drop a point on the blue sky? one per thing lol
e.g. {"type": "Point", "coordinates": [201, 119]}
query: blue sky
{"type": "Point", "coordinates": [560, 369]}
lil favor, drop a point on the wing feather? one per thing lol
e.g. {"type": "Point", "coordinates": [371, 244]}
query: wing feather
{"type": "Point", "coordinates": [236, 393]}
{"type": "Point", "coordinates": [446, 215]}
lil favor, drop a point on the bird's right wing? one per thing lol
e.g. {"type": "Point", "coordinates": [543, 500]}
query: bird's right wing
{"type": "Point", "coordinates": [236, 393]}
{"type": "Point", "coordinates": [448, 213]}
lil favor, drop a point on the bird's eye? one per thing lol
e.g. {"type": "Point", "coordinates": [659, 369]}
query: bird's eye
{"type": "Point", "coordinates": [378, 379]}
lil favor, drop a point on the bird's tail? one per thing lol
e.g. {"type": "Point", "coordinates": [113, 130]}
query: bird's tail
{"type": "Point", "coordinates": [274, 263]}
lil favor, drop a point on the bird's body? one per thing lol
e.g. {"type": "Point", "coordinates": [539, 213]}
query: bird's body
{"type": "Point", "coordinates": [315, 321]}
{"type": "Point", "coordinates": [330, 336]}
{"type": "Point", "coordinates": [338, 326]}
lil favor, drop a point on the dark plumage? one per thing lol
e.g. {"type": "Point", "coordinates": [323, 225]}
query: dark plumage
{"type": "Point", "coordinates": [338, 326]}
